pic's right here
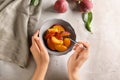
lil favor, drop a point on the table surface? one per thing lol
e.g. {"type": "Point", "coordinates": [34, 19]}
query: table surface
{"type": "Point", "coordinates": [104, 59]}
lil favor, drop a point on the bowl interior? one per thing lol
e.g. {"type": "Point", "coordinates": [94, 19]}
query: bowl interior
{"type": "Point", "coordinates": [47, 24]}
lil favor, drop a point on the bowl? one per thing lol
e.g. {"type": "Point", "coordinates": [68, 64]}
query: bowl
{"type": "Point", "coordinates": [47, 24]}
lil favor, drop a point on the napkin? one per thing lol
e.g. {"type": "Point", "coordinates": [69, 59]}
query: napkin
{"type": "Point", "coordinates": [18, 20]}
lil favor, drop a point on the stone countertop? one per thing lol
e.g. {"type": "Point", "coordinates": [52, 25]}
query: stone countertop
{"type": "Point", "coordinates": [104, 59]}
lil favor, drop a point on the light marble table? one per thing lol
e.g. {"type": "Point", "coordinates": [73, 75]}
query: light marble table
{"type": "Point", "coordinates": [104, 60]}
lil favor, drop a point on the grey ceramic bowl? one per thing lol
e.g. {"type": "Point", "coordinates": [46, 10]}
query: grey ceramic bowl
{"type": "Point", "coordinates": [47, 24]}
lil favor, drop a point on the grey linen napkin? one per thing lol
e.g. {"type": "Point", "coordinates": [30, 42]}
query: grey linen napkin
{"type": "Point", "coordinates": [17, 22]}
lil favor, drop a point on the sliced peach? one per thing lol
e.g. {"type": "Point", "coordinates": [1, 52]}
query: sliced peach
{"type": "Point", "coordinates": [65, 33]}
{"type": "Point", "coordinates": [59, 27]}
{"type": "Point", "coordinates": [53, 30]}
{"type": "Point", "coordinates": [67, 42]}
{"type": "Point", "coordinates": [60, 48]}
{"type": "Point", "coordinates": [56, 41]}
{"type": "Point", "coordinates": [50, 44]}
{"type": "Point", "coordinates": [49, 35]}
{"type": "Point", "coordinates": [58, 36]}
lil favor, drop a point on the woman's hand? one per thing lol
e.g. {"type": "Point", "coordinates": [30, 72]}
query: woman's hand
{"type": "Point", "coordinates": [38, 50]}
{"type": "Point", "coordinates": [77, 59]}
{"type": "Point", "coordinates": [40, 56]}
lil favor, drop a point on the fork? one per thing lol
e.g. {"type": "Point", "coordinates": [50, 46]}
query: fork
{"type": "Point", "coordinates": [75, 42]}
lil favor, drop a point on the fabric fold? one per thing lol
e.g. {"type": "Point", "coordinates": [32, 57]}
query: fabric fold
{"type": "Point", "coordinates": [15, 26]}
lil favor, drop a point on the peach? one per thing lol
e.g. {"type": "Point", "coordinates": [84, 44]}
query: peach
{"type": "Point", "coordinates": [61, 6]}
{"type": "Point", "coordinates": [58, 36]}
{"type": "Point", "coordinates": [49, 35]}
{"type": "Point", "coordinates": [50, 44]}
{"type": "Point", "coordinates": [59, 27]}
{"type": "Point", "coordinates": [60, 48]}
{"type": "Point", "coordinates": [53, 30]}
{"type": "Point", "coordinates": [56, 41]}
{"type": "Point", "coordinates": [67, 42]}
{"type": "Point", "coordinates": [65, 33]}
{"type": "Point", "coordinates": [85, 5]}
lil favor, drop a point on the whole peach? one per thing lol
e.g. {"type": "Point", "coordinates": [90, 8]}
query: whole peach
{"type": "Point", "coordinates": [61, 6]}
{"type": "Point", "coordinates": [85, 5]}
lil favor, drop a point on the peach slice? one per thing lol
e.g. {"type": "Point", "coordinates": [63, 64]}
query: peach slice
{"type": "Point", "coordinates": [49, 35]}
{"type": "Point", "coordinates": [59, 27]}
{"type": "Point", "coordinates": [67, 42]}
{"type": "Point", "coordinates": [65, 33]}
{"type": "Point", "coordinates": [60, 48]}
{"type": "Point", "coordinates": [53, 30]}
{"type": "Point", "coordinates": [56, 41]}
{"type": "Point", "coordinates": [58, 36]}
{"type": "Point", "coordinates": [50, 44]}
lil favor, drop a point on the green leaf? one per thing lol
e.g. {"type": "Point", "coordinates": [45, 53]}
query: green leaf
{"type": "Point", "coordinates": [35, 2]}
{"type": "Point", "coordinates": [84, 17]}
{"type": "Point", "coordinates": [88, 27]}
{"type": "Point", "coordinates": [90, 17]}
{"type": "Point", "coordinates": [87, 18]}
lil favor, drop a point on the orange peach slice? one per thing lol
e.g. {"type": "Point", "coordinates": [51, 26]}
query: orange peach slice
{"type": "Point", "coordinates": [56, 41]}
{"type": "Point", "coordinates": [65, 33]}
{"type": "Point", "coordinates": [60, 48]}
{"type": "Point", "coordinates": [59, 27]}
{"type": "Point", "coordinates": [67, 42]}
{"type": "Point", "coordinates": [49, 35]}
{"type": "Point", "coordinates": [53, 30]}
{"type": "Point", "coordinates": [50, 44]}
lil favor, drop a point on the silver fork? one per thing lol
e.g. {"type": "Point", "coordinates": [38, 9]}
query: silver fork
{"type": "Point", "coordinates": [75, 42]}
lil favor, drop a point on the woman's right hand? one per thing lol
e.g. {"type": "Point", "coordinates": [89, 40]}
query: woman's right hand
{"type": "Point", "coordinates": [77, 59]}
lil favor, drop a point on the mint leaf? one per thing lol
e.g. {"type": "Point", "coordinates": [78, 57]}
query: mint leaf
{"type": "Point", "coordinates": [88, 27]}
{"type": "Point", "coordinates": [35, 2]}
{"type": "Point", "coordinates": [90, 16]}
{"type": "Point", "coordinates": [87, 19]}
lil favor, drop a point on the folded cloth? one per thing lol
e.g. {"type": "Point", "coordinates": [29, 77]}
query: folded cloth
{"type": "Point", "coordinates": [18, 19]}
